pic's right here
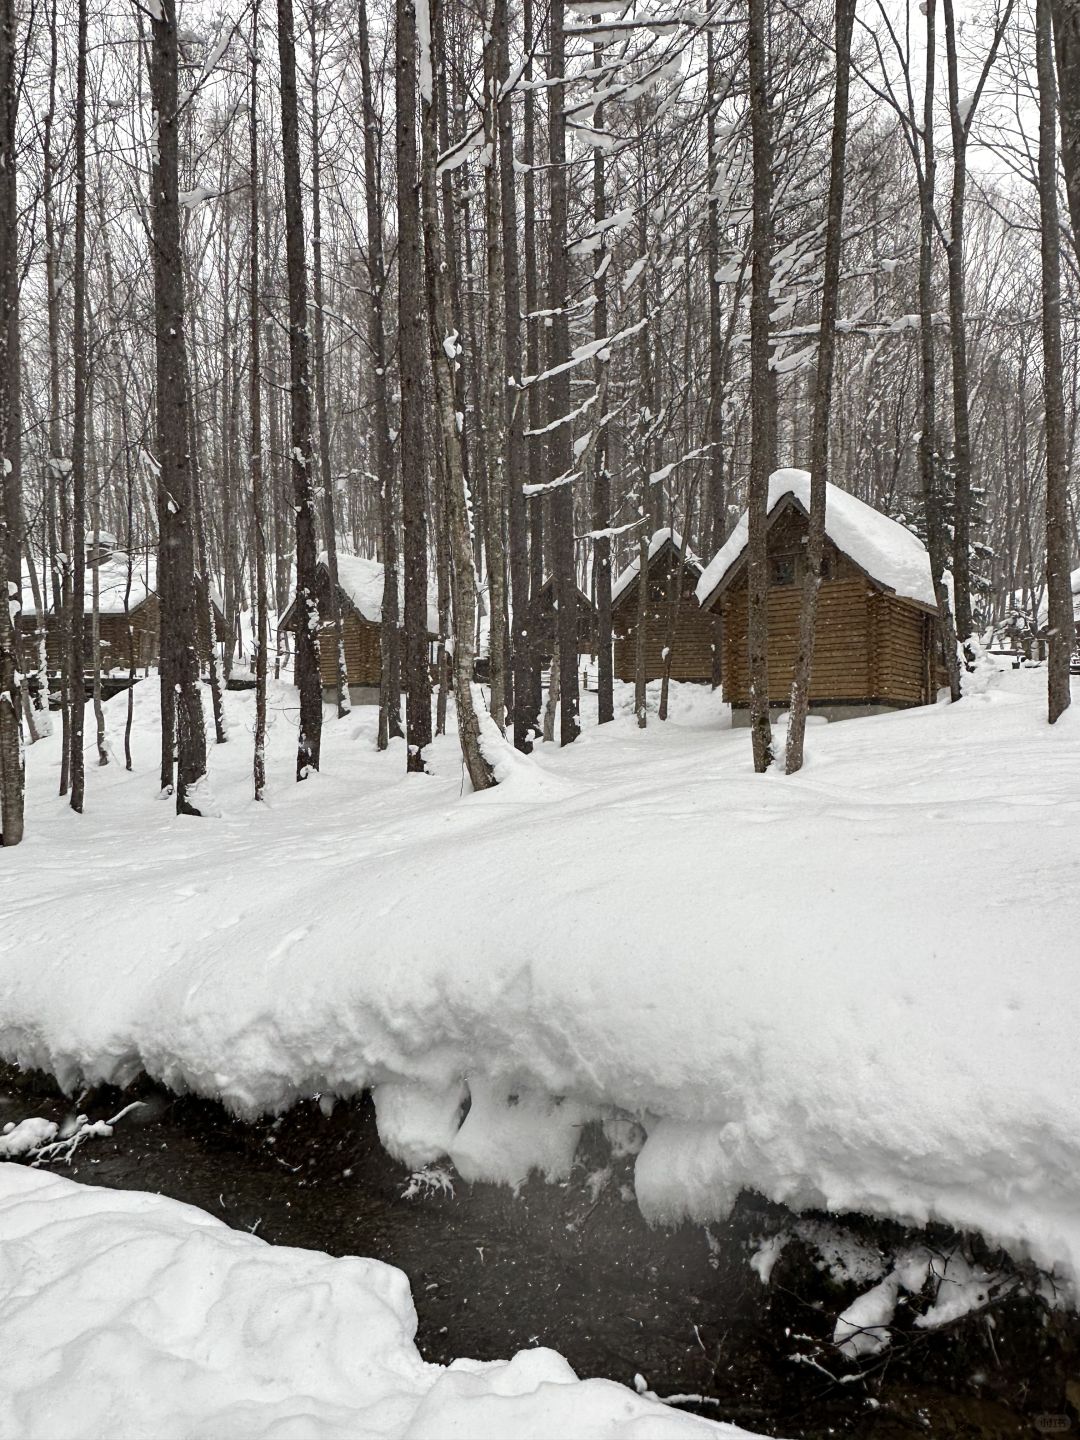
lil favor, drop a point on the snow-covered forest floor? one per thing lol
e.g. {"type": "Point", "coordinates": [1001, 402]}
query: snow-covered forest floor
{"type": "Point", "coordinates": [851, 990]}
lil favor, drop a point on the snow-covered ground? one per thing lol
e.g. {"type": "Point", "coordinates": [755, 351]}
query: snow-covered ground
{"type": "Point", "coordinates": [126, 1316]}
{"type": "Point", "coordinates": [853, 989]}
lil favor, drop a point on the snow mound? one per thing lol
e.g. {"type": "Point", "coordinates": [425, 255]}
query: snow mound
{"type": "Point", "coordinates": [136, 1317]}
{"type": "Point", "coordinates": [885, 549]}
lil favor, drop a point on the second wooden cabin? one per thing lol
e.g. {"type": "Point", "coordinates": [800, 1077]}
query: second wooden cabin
{"type": "Point", "coordinates": [360, 595]}
{"type": "Point", "coordinates": [874, 645]}
{"type": "Point", "coordinates": [693, 650]}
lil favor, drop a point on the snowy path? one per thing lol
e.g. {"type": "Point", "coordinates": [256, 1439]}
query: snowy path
{"type": "Point", "coordinates": [854, 989]}
{"type": "Point", "coordinates": [129, 1316]}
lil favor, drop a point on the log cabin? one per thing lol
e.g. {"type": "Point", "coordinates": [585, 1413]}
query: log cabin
{"type": "Point", "coordinates": [874, 646]}
{"type": "Point", "coordinates": [546, 617]}
{"type": "Point", "coordinates": [127, 597]}
{"type": "Point", "coordinates": [360, 592]}
{"type": "Point", "coordinates": [693, 650]}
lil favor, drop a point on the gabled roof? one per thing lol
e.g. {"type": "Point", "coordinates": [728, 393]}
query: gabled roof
{"type": "Point", "coordinates": [887, 552]}
{"type": "Point", "coordinates": [660, 540]}
{"type": "Point", "coordinates": [549, 585]}
{"type": "Point", "coordinates": [112, 574]}
{"type": "Point", "coordinates": [360, 584]}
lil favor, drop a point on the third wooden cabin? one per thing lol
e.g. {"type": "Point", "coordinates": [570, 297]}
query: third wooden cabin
{"type": "Point", "coordinates": [693, 650]}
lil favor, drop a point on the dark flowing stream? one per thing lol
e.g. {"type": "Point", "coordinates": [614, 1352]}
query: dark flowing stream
{"type": "Point", "coordinates": [574, 1267]}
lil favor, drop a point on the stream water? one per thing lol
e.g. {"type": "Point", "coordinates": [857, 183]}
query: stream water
{"type": "Point", "coordinates": [574, 1267]}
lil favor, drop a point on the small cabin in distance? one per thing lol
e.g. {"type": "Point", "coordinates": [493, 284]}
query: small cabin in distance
{"type": "Point", "coordinates": [360, 594]}
{"type": "Point", "coordinates": [692, 656]}
{"type": "Point", "coordinates": [545, 621]}
{"type": "Point", "coordinates": [874, 644]}
{"type": "Point", "coordinates": [127, 596]}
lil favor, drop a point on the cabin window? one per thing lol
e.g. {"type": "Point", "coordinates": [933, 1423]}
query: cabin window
{"type": "Point", "coordinates": [782, 569]}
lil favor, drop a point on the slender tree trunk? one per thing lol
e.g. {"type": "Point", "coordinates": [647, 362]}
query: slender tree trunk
{"type": "Point", "coordinates": [12, 773]}
{"type": "Point", "coordinates": [308, 675]}
{"type": "Point", "coordinates": [642, 618]}
{"type": "Point", "coordinates": [258, 496]}
{"type": "Point", "coordinates": [495, 375]}
{"type": "Point", "coordinates": [177, 606]}
{"type": "Point", "coordinates": [762, 390]}
{"type": "Point", "coordinates": [1059, 597]}
{"type": "Point", "coordinates": [78, 441]}
{"type": "Point", "coordinates": [329, 518]}
{"type": "Point", "coordinates": [443, 352]}
{"type": "Point", "coordinates": [823, 386]}
{"type": "Point", "coordinates": [929, 467]}
{"type": "Point", "coordinates": [1066, 18]}
{"type": "Point", "coordinates": [559, 448]}
{"type": "Point", "coordinates": [390, 629]}
{"type": "Point", "coordinates": [411, 361]}
{"type": "Point", "coordinates": [516, 402]}
{"type": "Point", "coordinates": [605, 673]}
{"type": "Point", "coordinates": [534, 696]}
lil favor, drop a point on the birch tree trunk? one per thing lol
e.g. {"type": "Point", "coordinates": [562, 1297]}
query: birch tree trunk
{"type": "Point", "coordinates": [344, 705]}
{"type": "Point", "coordinates": [443, 361]}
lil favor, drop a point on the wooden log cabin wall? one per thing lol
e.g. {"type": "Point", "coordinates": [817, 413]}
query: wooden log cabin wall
{"type": "Point", "coordinates": [873, 649]}
{"type": "Point", "coordinates": [692, 656]}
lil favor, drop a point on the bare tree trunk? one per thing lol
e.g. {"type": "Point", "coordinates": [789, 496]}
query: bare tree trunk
{"type": "Point", "coordinates": [1059, 597]}
{"type": "Point", "coordinates": [762, 392]}
{"type": "Point", "coordinates": [329, 519]}
{"type": "Point", "coordinates": [412, 364]}
{"type": "Point", "coordinates": [308, 676]}
{"type": "Point", "coordinates": [78, 441]}
{"type": "Point", "coordinates": [390, 629]}
{"type": "Point", "coordinates": [1066, 17]}
{"type": "Point", "coordinates": [178, 620]}
{"type": "Point", "coordinates": [258, 497]}
{"type": "Point", "coordinates": [496, 391]}
{"type": "Point", "coordinates": [533, 698]}
{"type": "Point", "coordinates": [559, 449]}
{"type": "Point", "coordinates": [823, 386]}
{"type": "Point", "coordinates": [929, 467]}
{"type": "Point", "coordinates": [12, 773]}
{"type": "Point", "coordinates": [551, 709]}
{"type": "Point", "coordinates": [605, 674]}
{"type": "Point", "coordinates": [516, 400]}
{"type": "Point", "coordinates": [641, 627]}
{"type": "Point", "coordinates": [443, 360]}
{"type": "Point", "coordinates": [95, 633]}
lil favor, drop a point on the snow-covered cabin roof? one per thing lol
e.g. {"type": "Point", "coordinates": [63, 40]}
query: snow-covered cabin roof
{"type": "Point", "coordinates": [112, 576]}
{"type": "Point", "coordinates": [360, 580]}
{"type": "Point", "coordinates": [660, 538]}
{"type": "Point", "coordinates": [885, 550]}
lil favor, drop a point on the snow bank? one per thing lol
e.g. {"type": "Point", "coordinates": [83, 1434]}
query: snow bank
{"type": "Point", "coordinates": [885, 549]}
{"type": "Point", "coordinates": [126, 1315]}
{"type": "Point", "coordinates": [854, 988]}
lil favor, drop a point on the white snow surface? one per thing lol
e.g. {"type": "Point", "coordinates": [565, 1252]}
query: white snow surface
{"type": "Point", "coordinates": [658, 540]}
{"type": "Point", "coordinates": [888, 552]}
{"type": "Point", "coordinates": [127, 1315]}
{"type": "Point", "coordinates": [851, 989]}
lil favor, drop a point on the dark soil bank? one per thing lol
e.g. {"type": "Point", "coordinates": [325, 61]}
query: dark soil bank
{"type": "Point", "coordinates": [580, 1271]}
